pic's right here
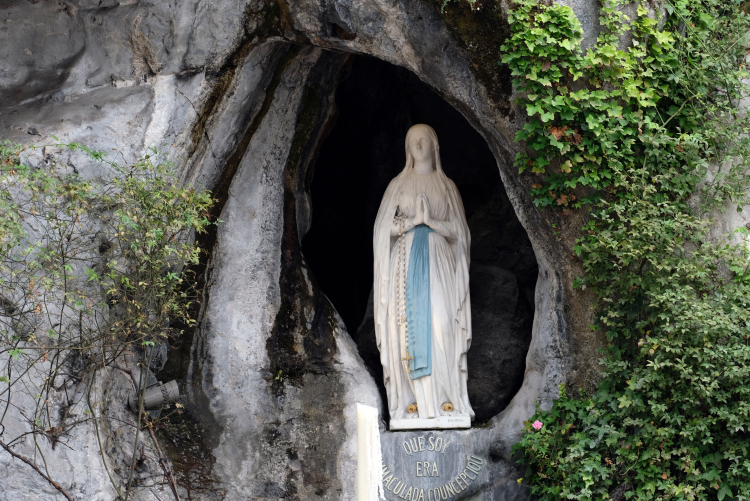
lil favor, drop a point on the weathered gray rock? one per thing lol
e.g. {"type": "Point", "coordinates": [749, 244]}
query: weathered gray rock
{"type": "Point", "coordinates": [277, 367]}
{"type": "Point", "coordinates": [501, 323]}
{"type": "Point", "coordinates": [72, 453]}
{"type": "Point", "coordinates": [40, 43]}
{"type": "Point", "coordinates": [271, 374]}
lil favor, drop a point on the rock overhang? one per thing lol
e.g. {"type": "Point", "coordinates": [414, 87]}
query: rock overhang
{"type": "Point", "coordinates": [228, 62]}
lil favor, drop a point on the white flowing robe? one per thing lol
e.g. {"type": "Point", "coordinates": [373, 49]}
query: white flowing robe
{"type": "Point", "coordinates": [449, 298]}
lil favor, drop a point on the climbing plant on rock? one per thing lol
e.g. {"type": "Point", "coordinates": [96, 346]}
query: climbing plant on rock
{"type": "Point", "coordinates": [94, 274]}
{"type": "Point", "coordinates": [668, 101]}
{"type": "Point", "coordinates": [646, 129]}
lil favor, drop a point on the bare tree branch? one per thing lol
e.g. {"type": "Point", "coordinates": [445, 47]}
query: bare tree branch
{"type": "Point", "coordinates": [52, 482]}
{"type": "Point", "coordinates": [162, 463]}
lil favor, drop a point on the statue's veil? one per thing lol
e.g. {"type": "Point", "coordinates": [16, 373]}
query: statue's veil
{"type": "Point", "coordinates": [382, 248]}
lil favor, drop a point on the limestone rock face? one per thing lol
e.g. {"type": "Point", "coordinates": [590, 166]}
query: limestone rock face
{"type": "Point", "coordinates": [276, 366]}
{"type": "Point", "coordinates": [241, 94]}
{"type": "Point", "coordinates": [502, 333]}
{"type": "Point", "coordinates": [41, 43]}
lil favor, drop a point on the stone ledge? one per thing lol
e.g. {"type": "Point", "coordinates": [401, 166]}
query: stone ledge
{"type": "Point", "coordinates": [441, 422]}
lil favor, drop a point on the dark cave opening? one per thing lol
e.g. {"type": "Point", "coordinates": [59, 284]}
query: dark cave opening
{"type": "Point", "coordinates": [377, 103]}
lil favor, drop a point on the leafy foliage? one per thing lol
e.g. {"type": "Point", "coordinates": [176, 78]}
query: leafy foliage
{"type": "Point", "coordinates": [90, 271]}
{"type": "Point", "coordinates": [668, 101]}
{"type": "Point", "coordinates": [671, 417]}
{"type": "Point", "coordinates": [637, 132]}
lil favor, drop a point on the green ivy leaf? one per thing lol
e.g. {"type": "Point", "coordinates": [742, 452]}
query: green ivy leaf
{"type": "Point", "coordinates": [724, 491]}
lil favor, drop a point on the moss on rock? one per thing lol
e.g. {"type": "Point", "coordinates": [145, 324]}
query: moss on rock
{"type": "Point", "coordinates": [480, 32]}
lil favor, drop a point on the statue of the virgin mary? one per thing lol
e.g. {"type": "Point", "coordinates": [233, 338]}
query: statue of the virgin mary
{"type": "Point", "coordinates": [421, 292]}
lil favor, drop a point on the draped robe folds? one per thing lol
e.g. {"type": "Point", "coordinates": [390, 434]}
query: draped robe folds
{"type": "Point", "coordinates": [449, 297]}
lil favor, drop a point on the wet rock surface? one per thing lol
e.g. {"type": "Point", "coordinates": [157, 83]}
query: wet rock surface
{"type": "Point", "coordinates": [304, 369]}
{"type": "Point", "coordinates": [241, 94]}
{"type": "Point", "coordinates": [501, 321]}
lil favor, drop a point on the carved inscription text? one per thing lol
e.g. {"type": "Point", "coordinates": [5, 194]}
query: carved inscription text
{"type": "Point", "coordinates": [429, 454]}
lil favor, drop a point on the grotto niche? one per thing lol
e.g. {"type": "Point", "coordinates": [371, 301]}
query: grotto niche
{"type": "Point", "coordinates": [376, 104]}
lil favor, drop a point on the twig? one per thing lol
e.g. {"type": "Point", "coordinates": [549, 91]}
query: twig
{"type": "Point", "coordinates": [130, 373]}
{"type": "Point", "coordinates": [167, 472]}
{"type": "Point", "coordinates": [141, 384]}
{"type": "Point", "coordinates": [98, 437]}
{"type": "Point", "coordinates": [54, 484]}
{"type": "Point", "coordinates": [162, 462]}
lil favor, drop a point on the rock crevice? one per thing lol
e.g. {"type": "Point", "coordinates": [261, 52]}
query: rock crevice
{"type": "Point", "coordinates": [242, 95]}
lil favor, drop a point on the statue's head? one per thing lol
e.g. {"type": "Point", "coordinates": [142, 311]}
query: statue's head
{"type": "Point", "coordinates": [421, 145]}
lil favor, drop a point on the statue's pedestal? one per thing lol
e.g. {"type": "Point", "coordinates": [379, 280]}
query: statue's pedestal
{"type": "Point", "coordinates": [435, 465]}
{"type": "Point", "coordinates": [438, 423]}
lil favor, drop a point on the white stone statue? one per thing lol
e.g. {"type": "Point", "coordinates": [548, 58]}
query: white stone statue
{"type": "Point", "coordinates": [421, 292]}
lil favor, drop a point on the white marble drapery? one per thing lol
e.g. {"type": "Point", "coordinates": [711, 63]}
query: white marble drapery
{"type": "Point", "coordinates": [449, 295]}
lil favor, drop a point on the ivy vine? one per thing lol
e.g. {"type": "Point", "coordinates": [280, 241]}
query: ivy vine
{"type": "Point", "coordinates": [648, 131]}
{"type": "Point", "coordinates": [668, 102]}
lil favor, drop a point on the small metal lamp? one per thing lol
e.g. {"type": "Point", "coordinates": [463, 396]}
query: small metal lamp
{"type": "Point", "coordinates": [156, 396]}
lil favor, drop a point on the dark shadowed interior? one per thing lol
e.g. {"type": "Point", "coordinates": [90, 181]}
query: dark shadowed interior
{"type": "Point", "coordinates": [377, 103]}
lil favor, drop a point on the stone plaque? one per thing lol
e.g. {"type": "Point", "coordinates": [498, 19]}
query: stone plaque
{"type": "Point", "coordinates": [431, 466]}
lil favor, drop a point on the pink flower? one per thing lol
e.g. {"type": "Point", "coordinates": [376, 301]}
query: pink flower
{"type": "Point", "coordinates": [537, 425]}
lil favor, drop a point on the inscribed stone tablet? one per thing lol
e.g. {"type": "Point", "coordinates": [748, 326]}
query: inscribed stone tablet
{"type": "Point", "coordinates": [431, 466]}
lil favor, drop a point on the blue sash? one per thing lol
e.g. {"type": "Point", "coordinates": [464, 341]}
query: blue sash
{"type": "Point", "coordinates": [418, 311]}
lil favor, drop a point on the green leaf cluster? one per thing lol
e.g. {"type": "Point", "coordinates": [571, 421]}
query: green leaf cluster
{"type": "Point", "coordinates": [671, 417]}
{"type": "Point", "coordinates": [669, 99]}
{"type": "Point", "coordinates": [91, 270]}
{"type": "Point", "coordinates": [649, 127]}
